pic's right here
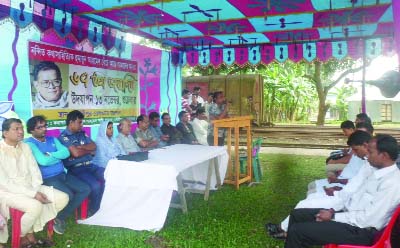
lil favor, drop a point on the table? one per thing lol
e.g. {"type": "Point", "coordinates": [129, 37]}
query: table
{"type": "Point", "coordinates": [234, 176]}
{"type": "Point", "coordinates": [138, 194]}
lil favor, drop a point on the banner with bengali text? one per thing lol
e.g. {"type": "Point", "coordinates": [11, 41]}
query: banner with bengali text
{"type": "Point", "coordinates": [101, 87]}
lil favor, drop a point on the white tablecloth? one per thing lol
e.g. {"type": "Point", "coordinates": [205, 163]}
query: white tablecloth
{"type": "Point", "coordinates": [138, 194]}
{"type": "Point", "coordinates": [192, 161]}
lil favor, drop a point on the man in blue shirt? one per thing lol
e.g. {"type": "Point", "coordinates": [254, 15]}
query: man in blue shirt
{"type": "Point", "coordinates": [49, 152]}
{"type": "Point", "coordinates": [155, 129]}
{"type": "Point", "coordinates": [82, 148]}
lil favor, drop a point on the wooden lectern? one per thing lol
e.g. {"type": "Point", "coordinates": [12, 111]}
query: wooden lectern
{"type": "Point", "coordinates": [233, 175]}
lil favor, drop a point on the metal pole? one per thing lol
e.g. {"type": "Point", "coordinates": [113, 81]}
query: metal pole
{"type": "Point", "coordinates": [364, 57]}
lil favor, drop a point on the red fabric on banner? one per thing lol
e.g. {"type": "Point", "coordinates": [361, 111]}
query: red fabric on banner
{"type": "Point", "coordinates": [267, 54]}
{"type": "Point", "coordinates": [324, 51]}
{"type": "Point", "coordinates": [396, 19]}
{"type": "Point", "coordinates": [149, 64]}
{"type": "Point", "coordinates": [355, 48]}
{"type": "Point", "coordinates": [295, 52]}
{"type": "Point", "coordinates": [241, 56]}
{"type": "Point", "coordinates": [216, 57]}
{"type": "Point", "coordinates": [192, 58]}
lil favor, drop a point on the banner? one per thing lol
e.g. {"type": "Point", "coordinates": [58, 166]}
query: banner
{"type": "Point", "coordinates": [99, 86]}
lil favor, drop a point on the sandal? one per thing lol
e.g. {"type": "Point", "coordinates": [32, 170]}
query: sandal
{"type": "Point", "coordinates": [29, 245]}
{"type": "Point", "coordinates": [45, 243]}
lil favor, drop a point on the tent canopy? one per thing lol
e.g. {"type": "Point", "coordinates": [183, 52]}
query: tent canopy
{"type": "Point", "coordinates": [196, 24]}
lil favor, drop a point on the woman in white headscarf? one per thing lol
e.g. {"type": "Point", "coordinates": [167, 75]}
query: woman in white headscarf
{"type": "Point", "coordinates": [107, 147]}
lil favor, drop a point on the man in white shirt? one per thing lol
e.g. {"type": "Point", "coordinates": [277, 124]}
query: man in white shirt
{"type": "Point", "coordinates": [366, 212]}
{"type": "Point", "coordinates": [200, 126]}
{"type": "Point", "coordinates": [21, 184]}
{"type": "Point", "coordinates": [358, 140]}
{"type": "Point", "coordinates": [333, 198]}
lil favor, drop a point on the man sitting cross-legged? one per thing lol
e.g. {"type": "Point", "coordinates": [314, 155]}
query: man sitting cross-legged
{"type": "Point", "coordinates": [365, 213]}
{"type": "Point", "coordinates": [49, 152]}
{"type": "Point", "coordinates": [331, 198]}
{"type": "Point", "coordinates": [21, 185]}
{"type": "Point", "coordinates": [80, 164]}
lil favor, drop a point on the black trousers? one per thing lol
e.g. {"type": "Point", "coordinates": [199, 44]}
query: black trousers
{"type": "Point", "coordinates": [210, 140]}
{"type": "Point", "coordinates": [304, 231]}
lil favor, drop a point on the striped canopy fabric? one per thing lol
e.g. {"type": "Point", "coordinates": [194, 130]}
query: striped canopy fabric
{"type": "Point", "coordinates": [212, 32]}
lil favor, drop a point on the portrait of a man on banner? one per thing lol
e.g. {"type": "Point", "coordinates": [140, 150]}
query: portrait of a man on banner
{"type": "Point", "coordinates": [47, 86]}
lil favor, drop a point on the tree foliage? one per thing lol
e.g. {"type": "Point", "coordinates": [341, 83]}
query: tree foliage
{"type": "Point", "coordinates": [321, 75]}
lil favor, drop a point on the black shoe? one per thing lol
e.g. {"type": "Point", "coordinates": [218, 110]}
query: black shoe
{"type": "Point", "coordinates": [273, 228]}
{"type": "Point", "coordinates": [279, 235]}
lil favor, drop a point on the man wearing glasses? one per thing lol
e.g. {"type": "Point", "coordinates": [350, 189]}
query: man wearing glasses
{"type": "Point", "coordinates": [49, 152]}
{"type": "Point", "coordinates": [48, 84]}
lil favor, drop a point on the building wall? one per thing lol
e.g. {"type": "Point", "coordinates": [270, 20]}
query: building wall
{"type": "Point", "coordinates": [374, 110]}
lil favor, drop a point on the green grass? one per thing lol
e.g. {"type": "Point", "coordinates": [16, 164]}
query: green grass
{"type": "Point", "coordinates": [230, 218]}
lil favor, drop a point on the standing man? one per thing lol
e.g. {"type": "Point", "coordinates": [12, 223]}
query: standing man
{"type": "Point", "coordinates": [49, 152]}
{"type": "Point", "coordinates": [186, 100]}
{"type": "Point", "coordinates": [217, 110]}
{"type": "Point", "coordinates": [48, 84]}
{"type": "Point", "coordinates": [364, 214]}
{"type": "Point", "coordinates": [22, 186]}
{"type": "Point", "coordinates": [79, 164]}
{"type": "Point", "coordinates": [196, 91]}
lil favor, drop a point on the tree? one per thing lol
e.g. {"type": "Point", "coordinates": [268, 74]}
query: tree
{"type": "Point", "coordinates": [342, 94]}
{"type": "Point", "coordinates": [288, 96]}
{"type": "Point", "coordinates": [321, 76]}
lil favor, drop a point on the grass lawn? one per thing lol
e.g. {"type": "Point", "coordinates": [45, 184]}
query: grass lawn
{"type": "Point", "coordinates": [229, 219]}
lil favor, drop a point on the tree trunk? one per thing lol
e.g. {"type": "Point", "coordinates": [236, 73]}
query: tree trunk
{"type": "Point", "coordinates": [322, 93]}
{"type": "Point", "coordinates": [322, 109]}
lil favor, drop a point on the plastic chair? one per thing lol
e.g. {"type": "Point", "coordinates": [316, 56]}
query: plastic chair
{"type": "Point", "coordinates": [83, 209]}
{"type": "Point", "coordinates": [257, 173]}
{"type": "Point", "coordinates": [382, 242]}
{"type": "Point", "coordinates": [16, 216]}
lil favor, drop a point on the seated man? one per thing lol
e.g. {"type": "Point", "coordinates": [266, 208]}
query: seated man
{"type": "Point", "coordinates": [200, 126]}
{"type": "Point", "coordinates": [362, 117]}
{"type": "Point", "coordinates": [107, 147]}
{"type": "Point", "coordinates": [336, 162]}
{"type": "Point", "coordinates": [366, 127]}
{"type": "Point", "coordinates": [22, 186]}
{"type": "Point", "coordinates": [144, 137]}
{"type": "Point", "coordinates": [80, 164]}
{"type": "Point", "coordinates": [364, 214]}
{"type": "Point", "coordinates": [356, 139]}
{"type": "Point", "coordinates": [186, 129]}
{"type": "Point", "coordinates": [155, 129]}
{"type": "Point", "coordinates": [333, 198]}
{"type": "Point", "coordinates": [49, 152]}
{"type": "Point", "coordinates": [125, 138]}
{"type": "Point", "coordinates": [174, 135]}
